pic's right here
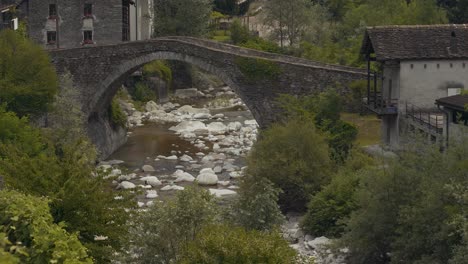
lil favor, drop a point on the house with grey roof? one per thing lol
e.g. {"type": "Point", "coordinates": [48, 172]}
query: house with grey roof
{"type": "Point", "coordinates": [409, 68]}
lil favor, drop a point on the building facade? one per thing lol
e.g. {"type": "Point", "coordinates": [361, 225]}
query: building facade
{"type": "Point", "coordinates": [409, 68]}
{"type": "Point", "coordinates": [78, 23]}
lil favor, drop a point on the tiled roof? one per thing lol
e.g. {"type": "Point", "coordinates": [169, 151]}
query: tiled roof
{"type": "Point", "coordinates": [417, 42]}
{"type": "Point", "coordinates": [457, 102]}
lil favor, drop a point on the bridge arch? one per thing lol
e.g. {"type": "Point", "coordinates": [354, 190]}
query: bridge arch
{"type": "Point", "coordinates": [115, 78]}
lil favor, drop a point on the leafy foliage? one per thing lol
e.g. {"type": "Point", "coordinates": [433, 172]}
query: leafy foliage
{"type": "Point", "coordinates": [406, 213]}
{"type": "Point", "coordinates": [330, 206]}
{"type": "Point", "coordinates": [117, 115]}
{"type": "Point", "coordinates": [295, 157]}
{"type": "Point", "coordinates": [27, 222]}
{"type": "Point", "coordinates": [28, 82]}
{"type": "Point", "coordinates": [239, 33]}
{"type": "Point", "coordinates": [256, 207]}
{"type": "Point", "coordinates": [165, 230]}
{"type": "Point", "coordinates": [255, 69]}
{"type": "Point", "coordinates": [158, 68]}
{"type": "Point", "coordinates": [63, 172]}
{"type": "Point", "coordinates": [226, 244]}
{"type": "Point", "coordinates": [143, 93]}
{"type": "Point", "coordinates": [181, 17]}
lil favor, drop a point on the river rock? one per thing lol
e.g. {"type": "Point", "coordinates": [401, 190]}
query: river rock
{"type": "Point", "coordinates": [151, 106]}
{"type": "Point", "coordinates": [216, 128]}
{"type": "Point", "coordinates": [235, 174]}
{"type": "Point", "coordinates": [224, 183]}
{"type": "Point", "coordinates": [183, 176]}
{"type": "Point", "coordinates": [218, 169]}
{"type": "Point", "coordinates": [126, 177]}
{"type": "Point", "coordinates": [252, 123]}
{"type": "Point", "coordinates": [187, 109]}
{"type": "Point", "coordinates": [222, 192]}
{"type": "Point", "coordinates": [186, 158]}
{"type": "Point", "coordinates": [319, 242]}
{"type": "Point", "coordinates": [186, 93]}
{"type": "Point", "coordinates": [172, 188]}
{"type": "Point", "coordinates": [151, 180]}
{"type": "Point", "coordinates": [115, 172]}
{"type": "Point", "coordinates": [151, 194]}
{"type": "Point", "coordinates": [189, 126]}
{"type": "Point", "coordinates": [207, 177]}
{"type": "Point", "coordinates": [148, 168]}
{"type": "Point", "coordinates": [126, 185]}
{"type": "Point", "coordinates": [202, 116]}
{"type": "Point", "coordinates": [234, 126]}
{"type": "Point", "coordinates": [173, 157]}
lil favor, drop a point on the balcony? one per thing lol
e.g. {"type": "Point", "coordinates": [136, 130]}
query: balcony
{"type": "Point", "coordinates": [377, 104]}
{"type": "Point", "coordinates": [432, 120]}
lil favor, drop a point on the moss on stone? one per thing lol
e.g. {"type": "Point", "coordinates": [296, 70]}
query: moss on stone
{"type": "Point", "coordinates": [256, 69]}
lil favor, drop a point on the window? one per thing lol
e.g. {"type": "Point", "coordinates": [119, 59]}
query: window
{"type": "Point", "coordinates": [88, 10]}
{"type": "Point", "coordinates": [51, 37]}
{"type": "Point", "coordinates": [52, 11]}
{"type": "Point", "coordinates": [453, 91]}
{"type": "Point", "coordinates": [88, 37]}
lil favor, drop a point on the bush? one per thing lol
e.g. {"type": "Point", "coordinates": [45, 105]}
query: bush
{"type": "Point", "coordinates": [258, 69]}
{"type": "Point", "coordinates": [256, 206]}
{"type": "Point", "coordinates": [28, 224]}
{"type": "Point", "coordinates": [295, 157]}
{"type": "Point", "coordinates": [230, 245]}
{"type": "Point", "coordinates": [143, 93]}
{"type": "Point", "coordinates": [63, 173]}
{"type": "Point", "coordinates": [328, 209]}
{"type": "Point", "coordinates": [117, 115]}
{"type": "Point", "coordinates": [158, 68]}
{"type": "Point", "coordinates": [29, 82]}
{"type": "Point", "coordinates": [239, 33]}
{"type": "Point", "coordinates": [164, 231]}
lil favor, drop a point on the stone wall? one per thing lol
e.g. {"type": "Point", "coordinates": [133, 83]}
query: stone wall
{"type": "Point", "coordinates": [100, 71]}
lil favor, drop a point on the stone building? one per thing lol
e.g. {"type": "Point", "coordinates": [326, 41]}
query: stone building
{"type": "Point", "coordinates": [77, 23]}
{"type": "Point", "coordinates": [409, 68]}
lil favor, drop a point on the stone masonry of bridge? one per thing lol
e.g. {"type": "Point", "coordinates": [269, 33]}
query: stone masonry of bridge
{"type": "Point", "coordinates": [99, 71]}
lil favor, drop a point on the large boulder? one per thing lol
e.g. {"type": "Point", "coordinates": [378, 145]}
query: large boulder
{"type": "Point", "coordinates": [217, 128]}
{"type": "Point", "coordinates": [182, 176]}
{"type": "Point", "coordinates": [126, 185]}
{"type": "Point", "coordinates": [152, 106]}
{"type": "Point", "coordinates": [151, 180]}
{"type": "Point", "coordinates": [186, 93]}
{"type": "Point", "coordinates": [189, 126]}
{"type": "Point", "coordinates": [207, 177]}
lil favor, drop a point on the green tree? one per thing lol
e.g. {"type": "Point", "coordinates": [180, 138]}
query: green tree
{"type": "Point", "coordinates": [165, 230]}
{"type": "Point", "coordinates": [182, 17]}
{"type": "Point", "coordinates": [230, 245]}
{"type": "Point", "coordinates": [257, 205]}
{"type": "Point", "coordinates": [28, 82]}
{"type": "Point", "coordinates": [295, 157]}
{"type": "Point", "coordinates": [28, 224]}
{"type": "Point", "coordinates": [288, 19]}
{"type": "Point", "coordinates": [63, 171]}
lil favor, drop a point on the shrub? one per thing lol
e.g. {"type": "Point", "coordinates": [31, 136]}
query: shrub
{"type": "Point", "coordinates": [158, 68]}
{"type": "Point", "coordinates": [239, 33]}
{"type": "Point", "coordinates": [143, 93]}
{"type": "Point", "coordinates": [164, 231]}
{"type": "Point", "coordinates": [29, 82]}
{"type": "Point", "coordinates": [255, 69]}
{"type": "Point", "coordinates": [28, 224]}
{"type": "Point", "coordinates": [258, 43]}
{"type": "Point", "coordinates": [63, 172]}
{"type": "Point", "coordinates": [256, 206]}
{"type": "Point", "coordinates": [117, 115]}
{"type": "Point", "coordinates": [295, 157]}
{"type": "Point", "coordinates": [230, 245]}
{"type": "Point", "coordinates": [328, 209]}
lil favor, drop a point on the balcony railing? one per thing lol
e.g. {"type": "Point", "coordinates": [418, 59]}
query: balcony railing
{"type": "Point", "coordinates": [433, 120]}
{"type": "Point", "coordinates": [381, 106]}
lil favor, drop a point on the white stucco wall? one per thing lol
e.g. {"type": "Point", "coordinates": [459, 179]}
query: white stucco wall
{"type": "Point", "coordinates": [141, 20]}
{"type": "Point", "coordinates": [422, 82]}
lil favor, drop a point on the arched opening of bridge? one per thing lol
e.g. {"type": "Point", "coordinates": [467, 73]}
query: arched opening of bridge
{"type": "Point", "coordinates": [181, 119]}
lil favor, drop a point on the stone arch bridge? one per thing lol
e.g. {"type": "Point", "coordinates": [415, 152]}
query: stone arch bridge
{"type": "Point", "coordinates": [99, 71]}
